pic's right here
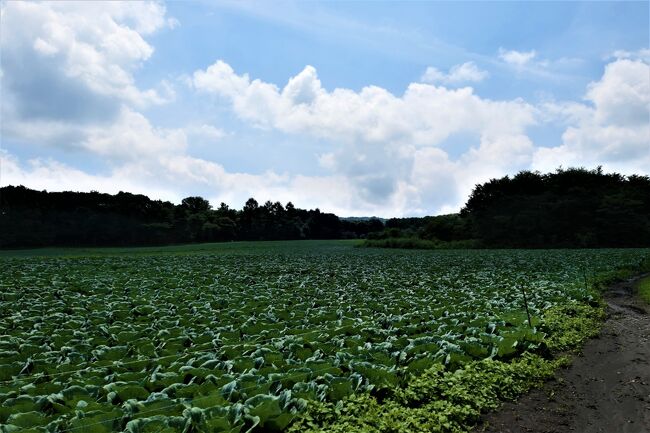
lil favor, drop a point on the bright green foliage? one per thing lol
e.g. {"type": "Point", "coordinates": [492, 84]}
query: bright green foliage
{"type": "Point", "coordinates": [569, 326]}
{"type": "Point", "coordinates": [247, 336]}
{"type": "Point", "coordinates": [437, 401]}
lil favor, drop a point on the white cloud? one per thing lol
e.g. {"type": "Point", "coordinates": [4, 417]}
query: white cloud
{"type": "Point", "coordinates": [612, 129]}
{"type": "Point", "coordinates": [68, 78]}
{"type": "Point", "coordinates": [391, 148]}
{"type": "Point", "coordinates": [75, 60]}
{"type": "Point", "coordinates": [517, 58]}
{"type": "Point", "coordinates": [51, 175]}
{"type": "Point", "coordinates": [172, 178]}
{"type": "Point", "coordinates": [381, 137]}
{"type": "Point", "coordinates": [622, 96]}
{"type": "Point", "coordinates": [154, 161]}
{"type": "Point", "coordinates": [128, 136]}
{"type": "Point", "coordinates": [205, 133]}
{"type": "Point", "coordinates": [304, 88]}
{"type": "Point", "coordinates": [467, 72]}
{"type": "Point", "coordinates": [527, 65]}
{"type": "Point", "coordinates": [132, 137]}
{"type": "Point", "coordinates": [642, 54]}
{"type": "Point", "coordinates": [45, 48]}
{"type": "Point", "coordinates": [423, 115]}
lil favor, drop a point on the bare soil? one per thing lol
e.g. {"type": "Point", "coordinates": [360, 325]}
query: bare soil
{"type": "Point", "coordinates": [605, 390]}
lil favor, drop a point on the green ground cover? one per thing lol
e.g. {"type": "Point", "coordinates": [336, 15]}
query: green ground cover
{"type": "Point", "coordinates": [306, 336]}
{"type": "Point", "coordinates": [644, 289]}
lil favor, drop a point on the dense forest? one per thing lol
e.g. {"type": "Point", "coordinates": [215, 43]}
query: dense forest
{"type": "Point", "coordinates": [32, 218]}
{"type": "Point", "coordinates": [568, 208]}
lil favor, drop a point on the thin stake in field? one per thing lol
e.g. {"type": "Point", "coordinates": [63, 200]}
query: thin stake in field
{"type": "Point", "coordinates": [523, 290]}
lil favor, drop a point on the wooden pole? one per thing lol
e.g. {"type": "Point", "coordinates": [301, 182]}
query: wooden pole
{"type": "Point", "coordinates": [523, 290]}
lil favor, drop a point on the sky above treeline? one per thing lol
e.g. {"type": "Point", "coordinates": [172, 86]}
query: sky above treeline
{"type": "Point", "coordinates": [357, 108]}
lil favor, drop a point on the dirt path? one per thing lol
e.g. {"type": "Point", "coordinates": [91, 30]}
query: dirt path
{"type": "Point", "coordinates": [606, 389]}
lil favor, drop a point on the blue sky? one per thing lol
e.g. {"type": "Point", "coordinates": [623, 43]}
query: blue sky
{"type": "Point", "coordinates": [359, 108]}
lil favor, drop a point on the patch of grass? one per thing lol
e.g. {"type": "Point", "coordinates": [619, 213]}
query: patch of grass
{"type": "Point", "coordinates": [569, 326]}
{"type": "Point", "coordinates": [643, 286]}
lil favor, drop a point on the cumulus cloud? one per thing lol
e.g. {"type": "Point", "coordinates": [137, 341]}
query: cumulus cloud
{"type": "Point", "coordinates": [424, 115]}
{"type": "Point", "coordinates": [381, 136]}
{"type": "Point", "coordinates": [391, 147]}
{"type": "Point", "coordinates": [466, 72]}
{"type": "Point", "coordinates": [517, 58]}
{"type": "Point", "coordinates": [67, 81]}
{"type": "Point", "coordinates": [74, 61]}
{"type": "Point", "coordinates": [133, 137]}
{"type": "Point", "coordinates": [612, 127]}
{"type": "Point", "coordinates": [128, 136]}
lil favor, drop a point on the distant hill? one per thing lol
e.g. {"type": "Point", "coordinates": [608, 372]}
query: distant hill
{"type": "Point", "coordinates": [362, 219]}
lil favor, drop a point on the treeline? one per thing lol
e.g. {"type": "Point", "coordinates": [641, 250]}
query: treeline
{"type": "Point", "coordinates": [570, 208]}
{"type": "Point", "coordinates": [30, 218]}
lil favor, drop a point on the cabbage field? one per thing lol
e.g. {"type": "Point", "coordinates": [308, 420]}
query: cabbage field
{"type": "Point", "coordinates": [245, 336]}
